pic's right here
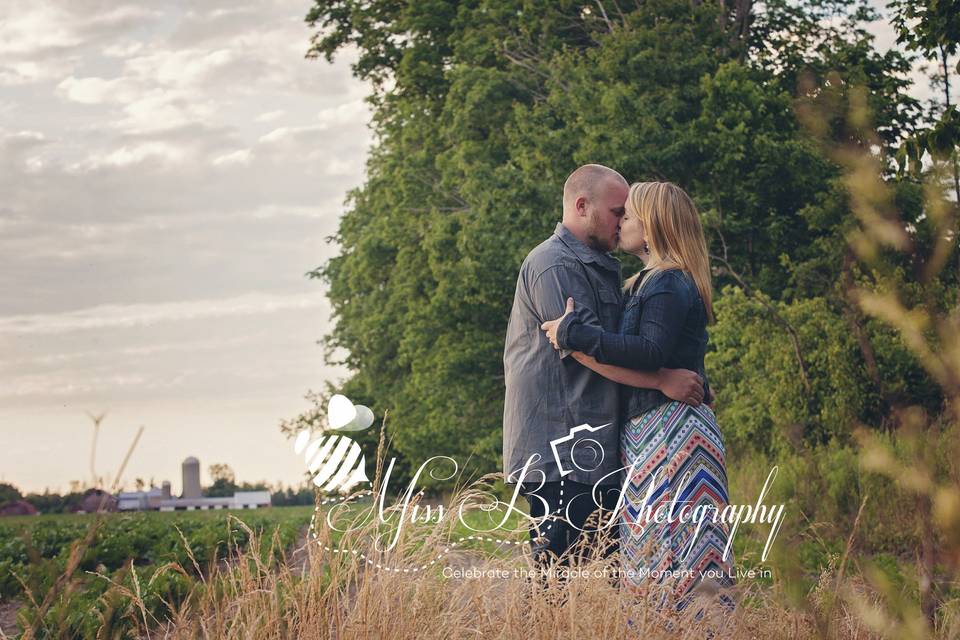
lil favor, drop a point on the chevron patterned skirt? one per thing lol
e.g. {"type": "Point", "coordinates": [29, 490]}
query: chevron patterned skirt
{"type": "Point", "coordinates": [678, 469]}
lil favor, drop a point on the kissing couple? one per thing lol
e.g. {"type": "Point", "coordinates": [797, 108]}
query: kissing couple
{"type": "Point", "coordinates": [605, 379]}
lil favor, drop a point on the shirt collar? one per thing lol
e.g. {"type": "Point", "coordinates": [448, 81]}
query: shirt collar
{"type": "Point", "coordinates": [585, 253]}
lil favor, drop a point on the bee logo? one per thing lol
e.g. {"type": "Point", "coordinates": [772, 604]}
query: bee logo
{"type": "Point", "coordinates": [336, 461]}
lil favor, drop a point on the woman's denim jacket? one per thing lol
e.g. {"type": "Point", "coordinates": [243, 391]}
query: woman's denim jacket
{"type": "Point", "coordinates": [663, 325]}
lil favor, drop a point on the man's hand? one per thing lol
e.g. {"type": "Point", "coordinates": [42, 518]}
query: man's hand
{"type": "Point", "coordinates": [550, 326]}
{"type": "Point", "coordinates": [682, 384]}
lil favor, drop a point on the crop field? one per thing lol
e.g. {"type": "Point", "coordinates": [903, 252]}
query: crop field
{"type": "Point", "coordinates": [35, 551]}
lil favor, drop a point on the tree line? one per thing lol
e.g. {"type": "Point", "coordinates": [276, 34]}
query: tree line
{"type": "Point", "coordinates": [482, 108]}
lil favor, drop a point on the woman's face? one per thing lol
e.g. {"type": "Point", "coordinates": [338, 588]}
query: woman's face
{"type": "Point", "coordinates": [632, 236]}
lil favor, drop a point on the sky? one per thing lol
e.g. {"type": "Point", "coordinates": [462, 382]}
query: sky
{"type": "Point", "coordinates": [168, 173]}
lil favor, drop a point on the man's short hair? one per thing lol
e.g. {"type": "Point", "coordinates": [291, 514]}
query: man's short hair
{"type": "Point", "coordinates": [586, 181]}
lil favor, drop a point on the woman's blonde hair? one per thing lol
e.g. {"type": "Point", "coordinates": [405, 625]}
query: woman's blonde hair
{"type": "Point", "coordinates": [674, 235]}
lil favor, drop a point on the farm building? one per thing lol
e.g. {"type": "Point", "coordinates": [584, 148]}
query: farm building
{"type": "Point", "coordinates": [191, 499]}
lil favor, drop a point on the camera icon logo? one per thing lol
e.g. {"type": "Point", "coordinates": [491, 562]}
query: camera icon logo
{"type": "Point", "coordinates": [582, 451]}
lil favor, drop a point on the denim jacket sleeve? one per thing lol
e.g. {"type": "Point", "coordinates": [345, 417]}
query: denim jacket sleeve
{"type": "Point", "coordinates": [665, 306]}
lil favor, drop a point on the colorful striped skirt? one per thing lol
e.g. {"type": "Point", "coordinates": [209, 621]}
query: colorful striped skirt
{"type": "Point", "coordinates": [678, 477]}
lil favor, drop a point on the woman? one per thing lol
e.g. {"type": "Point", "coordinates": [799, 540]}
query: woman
{"type": "Point", "coordinates": [675, 447]}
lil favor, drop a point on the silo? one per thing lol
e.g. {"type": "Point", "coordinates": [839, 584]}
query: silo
{"type": "Point", "coordinates": [165, 490]}
{"type": "Point", "coordinates": [191, 478]}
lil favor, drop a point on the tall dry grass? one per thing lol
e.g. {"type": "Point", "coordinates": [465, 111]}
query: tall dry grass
{"type": "Point", "coordinates": [322, 594]}
{"type": "Point", "coordinates": [331, 587]}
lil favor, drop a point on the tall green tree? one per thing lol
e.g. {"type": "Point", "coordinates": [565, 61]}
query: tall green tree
{"type": "Point", "coordinates": [481, 110]}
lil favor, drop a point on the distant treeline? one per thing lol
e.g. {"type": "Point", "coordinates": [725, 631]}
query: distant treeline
{"type": "Point", "coordinates": [48, 502]}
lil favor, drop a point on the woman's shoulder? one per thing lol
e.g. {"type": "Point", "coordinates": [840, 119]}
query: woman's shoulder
{"type": "Point", "coordinates": [665, 279]}
{"type": "Point", "coordinates": [674, 281]}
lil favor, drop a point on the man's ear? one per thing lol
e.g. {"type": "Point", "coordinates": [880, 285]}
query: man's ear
{"type": "Point", "coordinates": [580, 204]}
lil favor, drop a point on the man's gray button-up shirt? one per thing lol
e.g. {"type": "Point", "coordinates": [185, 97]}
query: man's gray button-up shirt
{"type": "Point", "coordinates": [549, 394]}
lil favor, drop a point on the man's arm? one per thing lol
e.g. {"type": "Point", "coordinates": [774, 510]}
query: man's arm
{"type": "Point", "coordinates": [676, 384]}
{"type": "Point", "coordinates": [551, 288]}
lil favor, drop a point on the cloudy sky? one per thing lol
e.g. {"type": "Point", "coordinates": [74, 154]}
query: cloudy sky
{"type": "Point", "coordinates": [168, 173]}
{"type": "Point", "coordinates": [167, 176]}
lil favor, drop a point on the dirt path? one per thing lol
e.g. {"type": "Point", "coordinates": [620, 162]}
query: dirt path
{"type": "Point", "coordinates": [297, 557]}
{"type": "Point", "coordinates": [8, 617]}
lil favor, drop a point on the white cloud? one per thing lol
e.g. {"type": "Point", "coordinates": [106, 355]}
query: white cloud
{"type": "Point", "coordinates": [334, 166]}
{"type": "Point", "coordinates": [156, 151]}
{"type": "Point", "coordinates": [161, 109]}
{"type": "Point", "coordinates": [45, 41]}
{"type": "Point", "coordinates": [123, 49]}
{"type": "Point", "coordinates": [47, 384]}
{"type": "Point", "coordinates": [285, 135]}
{"type": "Point", "coordinates": [305, 211]}
{"type": "Point", "coordinates": [123, 17]}
{"type": "Point", "coordinates": [94, 90]}
{"type": "Point", "coordinates": [179, 68]}
{"type": "Point", "coordinates": [240, 156]}
{"type": "Point", "coordinates": [278, 134]}
{"type": "Point", "coordinates": [270, 116]}
{"type": "Point", "coordinates": [15, 146]}
{"type": "Point", "coordinates": [22, 72]}
{"type": "Point", "coordinates": [23, 138]}
{"type": "Point", "coordinates": [29, 29]}
{"type": "Point", "coordinates": [348, 112]}
{"type": "Point", "coordinates": [59, 359]}
{"type": "Point", "coordinates": [35, 164]}
{"type": "Point", "coordinates": [110, 316]}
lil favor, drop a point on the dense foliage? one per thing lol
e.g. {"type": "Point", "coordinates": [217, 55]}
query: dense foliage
{"type": "Point", "coordinates": [482, 108]}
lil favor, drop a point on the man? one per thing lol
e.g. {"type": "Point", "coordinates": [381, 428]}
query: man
{"type": "Point", "coordinates": [549, 395]}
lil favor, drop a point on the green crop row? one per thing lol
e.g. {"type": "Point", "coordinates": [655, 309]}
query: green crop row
{"type": "Point", "coordinates": [35, 549]}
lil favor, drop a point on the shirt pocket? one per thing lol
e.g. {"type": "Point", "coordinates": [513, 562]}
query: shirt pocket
{"type": "Point", "coordinates": [609, 310]}
{"type": "Point", "coordinates": [630, 319]}
{"type": "Point", "coordinates": [550, 398]}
